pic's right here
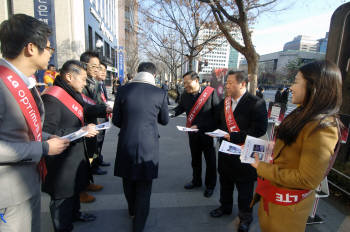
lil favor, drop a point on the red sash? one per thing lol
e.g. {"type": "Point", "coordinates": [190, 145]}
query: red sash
{"type": "Point", "coordinates": [279, 196]}
{"type": "Point", "coordinates": [230, 118]}
{"type": "Point", "coordinates": [198, 105]}
{"type": "Point", "coordinates": [67, 100]}
{"type": "Point", "coordinates": [103, 98]}
{"type": "Point", "coordinates": [27, 104]}
{"type": "Point", "coordinates": [88, 100]}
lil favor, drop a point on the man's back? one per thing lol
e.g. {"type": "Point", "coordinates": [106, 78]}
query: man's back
{"type": "Point", "coordinates": [137, 110]}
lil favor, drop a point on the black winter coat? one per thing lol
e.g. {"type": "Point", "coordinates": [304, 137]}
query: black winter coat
{"type": "Point", "coordinates": [68, 173]}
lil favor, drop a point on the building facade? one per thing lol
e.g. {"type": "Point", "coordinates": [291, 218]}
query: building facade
{"type": "Point", "coordinates": [302, 43]}
{"type": "Point", "coordinates": [76, 24]}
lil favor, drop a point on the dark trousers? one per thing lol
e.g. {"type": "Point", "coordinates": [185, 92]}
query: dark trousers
{"type": "Point", "coordinates": [227, 185]}
{"type": "Point", "coordinates": [138, 196]}
{"type": "Point", "coordinates": [63, 211]}
{"type": "Point", "coordinates": [199, 144]}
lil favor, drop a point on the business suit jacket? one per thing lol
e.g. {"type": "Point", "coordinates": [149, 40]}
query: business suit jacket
{"type": "Point", "coordinates": [68, 173]}
{"type": "Point", "coordinates": [21, 181]}
{"type": "Point", "coordinates": [301, 165]}
{"type": "Point", "coordinates": [137, 110]}
{"type": "Point", "coordinates": [251, 117]}
{"type": "Point", "coordinates": [205, 119]}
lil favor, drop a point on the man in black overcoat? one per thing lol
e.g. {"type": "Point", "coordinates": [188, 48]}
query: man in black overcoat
{"type": "Point", "coordinates": [250, 115]}
{"type": "Point", "coordinates": [138, 107]}
{"type": "Point", "coordinates": [68, 174]}
{"type": "Point", "coordinates": [200, 143]}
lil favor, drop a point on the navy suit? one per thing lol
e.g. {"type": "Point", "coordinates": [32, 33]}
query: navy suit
{"type": "Point", "coordinates": [137, 110]}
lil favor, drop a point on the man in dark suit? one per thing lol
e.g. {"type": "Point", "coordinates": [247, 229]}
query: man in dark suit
{"type": "Point", "coordinates": [204, 121]}
{"type": "Point", "coordinates": [166, 88]}
{"type": "Point", "coordinates": [138, 107]}
{"type": "Point", "coordinates": [250, 117]}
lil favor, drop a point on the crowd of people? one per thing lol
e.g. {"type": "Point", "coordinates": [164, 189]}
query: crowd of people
{"type": "Point", "coordinates": [34, 155]}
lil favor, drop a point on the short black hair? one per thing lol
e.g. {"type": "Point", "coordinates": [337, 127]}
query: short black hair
{"type": "Point", "coordinates": [104, 64]}
{"type": "Point", "coordinates": [86, 56]}
{"type": "Point", "coordinates": [240, 76]}
{"type": "Point", "coordinates": [192, 74]}
{"type": "Point", "coordinates": [72, 66]}
{"type": "Point", "coordinates": [147, 67]}
{"type": "Point", "coordinates": [18, 31]}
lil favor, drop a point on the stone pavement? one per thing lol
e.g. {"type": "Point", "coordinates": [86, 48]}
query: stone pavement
{"type": "Point", "coordinates": [173, 209]}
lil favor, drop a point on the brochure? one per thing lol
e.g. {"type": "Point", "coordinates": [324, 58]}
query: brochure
{"type": "Point", "coordinates": [217, 133]}
{"type": "Point", "coordinates": [257, 146]}
{"type": "Point", "coordinates": [75, 135]}
{"type": "Point", "coordinates": [276, 112]}
{"type": "Point", "coordinates": [182, 128]}
{"type": "Point", "coordinates": [103, 126]}
{"type": "Point", "coordinates": [230, 148]}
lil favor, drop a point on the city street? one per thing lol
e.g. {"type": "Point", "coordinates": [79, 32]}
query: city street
{"type": "Point", "coordinates": [173, 209]}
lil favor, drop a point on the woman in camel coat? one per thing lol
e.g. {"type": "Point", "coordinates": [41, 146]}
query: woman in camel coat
{"type": "Point", "coordinates": [305, 143]}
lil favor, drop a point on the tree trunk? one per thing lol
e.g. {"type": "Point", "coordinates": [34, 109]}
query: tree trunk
{"type": "Point", "coordinates": [190, 65]}
{"type": "Point", "coordinates": [252, 73]}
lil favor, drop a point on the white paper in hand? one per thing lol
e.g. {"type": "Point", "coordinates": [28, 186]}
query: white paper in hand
{"type": "Point", "coordinates": [217, 133]}
{"type": "Point", "coordinates": [75, 135]}
{"type": "Point", "coordinates": [110, 104]}
{"type": "Point", "coordinates": [103, 126]}
{"type": "Point", "coordinates": [182, 128]}
{"type": "Point", "coordinates": [230, 148]}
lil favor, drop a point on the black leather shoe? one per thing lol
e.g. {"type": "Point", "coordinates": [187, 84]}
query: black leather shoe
{"type": "Point", "coordinates": [243, 226]}
{"type": "Point", "coordinates": [85, 217]}
{"type": "Point", "coordinates": [99, 171]}
{"type": "Point", "coordinates": [191, 185]}
{"type": "Point", "coordinates": [208, 192]}
{"type": "Point", "coordinates": [219, 212]}
{"type": "Point", "coordinates": [105, 164]}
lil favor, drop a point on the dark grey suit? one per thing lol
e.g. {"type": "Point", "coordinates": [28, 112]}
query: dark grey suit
{"type": "Point", "coordinates": [19, 182]}
{"type": "Point", "coordinates": [137, 110]}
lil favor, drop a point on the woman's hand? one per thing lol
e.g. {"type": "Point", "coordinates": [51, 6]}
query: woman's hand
{"type": "Point", "coordinates": [257, 161]}
{"type": "Point", "coordinates": [90, 128]}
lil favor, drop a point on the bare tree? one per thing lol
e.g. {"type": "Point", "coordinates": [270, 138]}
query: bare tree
{"type": "Point", "coordinates": [237, 16]}
{"type": "Point", "coordinates": [187, 18]}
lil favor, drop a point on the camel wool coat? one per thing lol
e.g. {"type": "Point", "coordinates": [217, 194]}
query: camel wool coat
{"type": "Point", "coordinates": [301, 165]}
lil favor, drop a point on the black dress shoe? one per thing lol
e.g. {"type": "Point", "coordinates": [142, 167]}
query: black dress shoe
{"type": "Point", "coordinates": [243, 226]}
{"type": "Point", "coordinates": [105, 164]}
{"type": "Point", "coordinates": [98, 171]}
{"type": "Point", "coordinates": [208, 192]}
{"type": "Point", "coordinates": [192, 185]}
{"type": "Point", "coordinates": [85, 217]}
{"type": "Point", "coordinates": [219, 212]}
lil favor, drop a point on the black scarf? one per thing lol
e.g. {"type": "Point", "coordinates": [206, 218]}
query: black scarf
{"type": "Point", "coordinates": [59, 81]}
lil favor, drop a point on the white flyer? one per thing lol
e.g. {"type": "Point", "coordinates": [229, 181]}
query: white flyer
{"type": "Point", "coordinates": [182, 128]}
{"type": "Point", "coordinates": [257, 146]}
{"type": "Point", "coordinates": [103, 126]}
{"type": "Point", "coordinates": [230, 148]}
{"type": "Point", "coordinates": [75, 135]}
{"type": "Point", "coordinates": [110, 104]}
{"type": "Point", "coordinates": [217, 133]}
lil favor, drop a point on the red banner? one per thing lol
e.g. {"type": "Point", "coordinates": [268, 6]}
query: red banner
{"type": "Point", "coordinates": [230, 118]}
{"type": "Point", "coordinates": [88, 100]}
{"type": "Point", "coordinates": [66, 100]}
{"type": "Point", "coordinates": [198, 105]}
{"type": "Point", "coordinates": [27, 104]}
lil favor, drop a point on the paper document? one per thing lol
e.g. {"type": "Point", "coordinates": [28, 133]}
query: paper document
{"type": "Point", "coordinates": [75, 135]}
{"type": "Point", "coordinates": [230, 148]}
{"type": "Point", "coordinates": [257, 146]}
{"type": "Point", "coordinates": [110, 104]}
{"type": "Point", "coordinates": [217, 133]}
{"type": "Point", "coordinates": [182, 128]}
{"type": "Point", "coordinates": [103, 126]}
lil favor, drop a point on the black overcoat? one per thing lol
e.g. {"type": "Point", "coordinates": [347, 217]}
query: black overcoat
{"type": "Point", "coordinates": [138, 108]}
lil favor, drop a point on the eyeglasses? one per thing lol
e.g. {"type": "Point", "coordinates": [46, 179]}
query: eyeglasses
{"type": "Point", "coordinates": [93, 66]}
{"type": "Point", "coordinates": [50, 49]}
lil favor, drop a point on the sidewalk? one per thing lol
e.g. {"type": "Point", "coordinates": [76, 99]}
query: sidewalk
{"type": "Point", "coordinates": [173, 209]}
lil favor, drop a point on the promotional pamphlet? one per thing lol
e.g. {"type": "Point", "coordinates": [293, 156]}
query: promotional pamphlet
{"type": "Point", "coordinates": [257, 146]}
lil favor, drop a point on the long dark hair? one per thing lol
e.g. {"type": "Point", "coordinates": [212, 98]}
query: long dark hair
{"type": "Point", "coordinates": [323, 99]}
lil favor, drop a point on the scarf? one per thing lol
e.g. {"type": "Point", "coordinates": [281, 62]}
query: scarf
{"type": "Point", "coordinates": [59, 81]}
{"type": "Point", "coordinates": [144, 77]}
